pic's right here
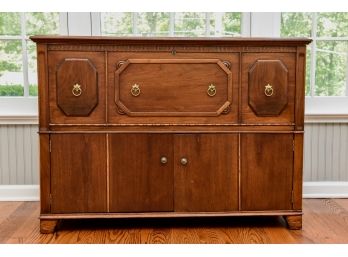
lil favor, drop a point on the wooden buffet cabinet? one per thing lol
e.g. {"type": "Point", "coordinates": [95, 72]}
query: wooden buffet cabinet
{"type": "Point", "coordinates": [170, 127]}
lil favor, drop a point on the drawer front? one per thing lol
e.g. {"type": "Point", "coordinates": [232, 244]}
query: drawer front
{"type": "Point", "coordinates": [165, 88]}
{"type": "Point", "coordinates": [173, 87]}
{"type": "Point", "coordinates": [76, 87]}
{"type": "Point", "coordinates": [268, 88]}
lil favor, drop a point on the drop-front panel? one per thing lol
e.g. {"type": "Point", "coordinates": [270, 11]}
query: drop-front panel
{"type": "Point", "coordinates": [170, 127]}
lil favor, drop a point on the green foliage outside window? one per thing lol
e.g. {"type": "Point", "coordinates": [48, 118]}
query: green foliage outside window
{"type": "Point", "coordinates": [331, 62]}
{"type": "Point", "coordinates": [11, 50]}
{"type": "Point", "coordinates": [189, 24]}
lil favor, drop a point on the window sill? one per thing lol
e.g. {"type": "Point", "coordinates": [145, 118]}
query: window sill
{"type": "Point", "coordinates": [20, 110]}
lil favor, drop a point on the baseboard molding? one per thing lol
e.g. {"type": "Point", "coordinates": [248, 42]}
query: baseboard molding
{"type": "Point", "coordinates": [19, 193]}
{"type": "Point", "coordinates": [327, 189]}
{"type": "Point", "coordinates": [310, 190]}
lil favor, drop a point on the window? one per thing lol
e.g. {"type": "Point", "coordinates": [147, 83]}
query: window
{"type": "Point", "coordinates": [18, 54]}
{"type": "Point", "coordinates": [327, 56]}
{"type": "Point", "coordinates": [188, 24]}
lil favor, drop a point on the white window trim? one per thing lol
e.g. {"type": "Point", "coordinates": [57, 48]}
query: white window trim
{"type": "Point", "coordinates": [23, 110]}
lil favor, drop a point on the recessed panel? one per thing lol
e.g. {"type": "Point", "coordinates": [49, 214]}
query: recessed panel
{"type": "Point", "coordinates": [77, 87]}
{"type": "Point", "coordinates": [268, 87]}
{"type": "Point", "coordinates": [176, 87]}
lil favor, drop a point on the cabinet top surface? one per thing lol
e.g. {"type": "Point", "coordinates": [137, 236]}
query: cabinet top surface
{"type": "Point", "coordinates": [213, 41]}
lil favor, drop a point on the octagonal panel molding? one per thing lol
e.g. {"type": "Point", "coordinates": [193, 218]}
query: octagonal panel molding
{"type": "Point", "coordinates": [77, 87]}
{"type": "Point", "coordinates": [173, 87]}
{"type": "Point", "coordinates": [268, 87]}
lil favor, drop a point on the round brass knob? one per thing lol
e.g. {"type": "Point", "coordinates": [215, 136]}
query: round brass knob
{"type": "Point", "coordinates": [211, 90]}
{"type": "Point", "coordinates": [76, 90]}
{"type": "Point", "coordinates": [183, 161]}
{"type": "Point", "coordinates": [164, 160]}
{"type": "Point", "coordinates": [268, 90]}
{"type": "Point", "coordinates": [135, 90]}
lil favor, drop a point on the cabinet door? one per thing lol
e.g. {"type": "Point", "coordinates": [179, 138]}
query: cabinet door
{"type": "Point", "coordinates": [141, 172]}
{"type": "Point", "coordinates": [78, 173]}
{"type": "Point", "coordinates": [266, 171]}
{"type": "Point", "coordinates": [206, 172]}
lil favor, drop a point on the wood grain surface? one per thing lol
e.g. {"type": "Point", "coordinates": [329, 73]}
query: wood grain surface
{"type": "Point", "coordinates": [324, 221]}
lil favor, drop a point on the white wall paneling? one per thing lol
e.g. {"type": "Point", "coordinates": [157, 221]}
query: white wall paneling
{"type": "Point", "coordinates": [326, 152]}
{"type": "Point", "coordinates": [19, 155]}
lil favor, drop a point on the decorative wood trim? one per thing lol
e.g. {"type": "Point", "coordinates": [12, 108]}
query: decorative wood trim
{"type": "Point", "coordinates": [300, 87]}
{"type": "Point", "coordinates": [174, 132]}
{"type": "Point", "coordinates": [169, 48]}
{"type": "Point", "coordinates": [239, 174]}
{"type": "Point", "coordinates": [43, 86]}
{"type": "Point", "coordinates": [168, 214]}
{"type": "Point", "coordinates": [107, 173]}
{"type": "Point", "coordinates": [45, 173]}
{"type": "Point", "coordinates": [122, 108]}
{"type": "Point", "coordinates": [169, 124]}
{"type": "Point", "coordinates": [186, 41]}
{"type": "Point", "coordinates": [298, 173]}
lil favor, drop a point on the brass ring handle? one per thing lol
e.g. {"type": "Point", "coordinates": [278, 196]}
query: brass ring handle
{"type": "Point", "coordinates": [164, 160]}
{"type": "Point", "coordinates": [184, 161]}
{"type": "Point", "coordinates": [135, 90]}
{"type": "Point", "coordinates": [211, 90]}
{"type": "Point", "coordinates": [76, 90]}
{"type": "Point", "coordinates": [268, 90]}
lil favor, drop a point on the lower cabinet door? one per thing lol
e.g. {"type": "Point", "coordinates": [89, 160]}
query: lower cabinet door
{"type": "Point", "coordinates": [206, 172]}
{"type": "Point", "coordinates": [141, 172]}
{"type": "Point", "coordinates": [78, 173]}
{"type": "Point", "coordinates": [266, 171]}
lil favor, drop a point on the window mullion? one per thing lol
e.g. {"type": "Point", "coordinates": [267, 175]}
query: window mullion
{"type": "Point", "coordinates": [134, 23]}
{"type": "Point", "coordinates": [24, 56]}
{"type": "Point", "coordinates": [347, 74]}
{"type": "Point", "coordinates": [171, 23]}
{"type": "Point", "coordinates": [314, 53]}
{"type": "Point", "coordinates": [218, 24]}
{"type": "Point", "coordinates": [207, 24]}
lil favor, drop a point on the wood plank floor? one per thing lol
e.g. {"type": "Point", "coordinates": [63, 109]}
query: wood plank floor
{"type": "Point", "coordinates": [324, 221]}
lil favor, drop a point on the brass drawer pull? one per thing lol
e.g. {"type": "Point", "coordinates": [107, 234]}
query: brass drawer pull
{"type": "Point", "coordinates": [268, 90]}
{"type": "Point", "coordinates": [184, 161]}
{"type": "Point", "coordinates": [164, 160]}
{"type": "Point", "coordinates": [211, 90]}
{"type": "Point", "coordinates": [135, 90]}
{"type": "Point", "coordinates": [76, 90]}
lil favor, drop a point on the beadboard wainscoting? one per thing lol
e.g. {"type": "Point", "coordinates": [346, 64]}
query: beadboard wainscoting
{"type": "Point", "coordinates": [325, 161]}
{"type": "Point", "coordinates": [19, 154]}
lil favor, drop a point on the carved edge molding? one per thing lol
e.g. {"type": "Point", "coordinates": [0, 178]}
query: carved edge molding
{"type": "Point", "coordinates": [168, 48]}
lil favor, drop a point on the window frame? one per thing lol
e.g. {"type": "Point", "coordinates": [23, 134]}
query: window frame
{"type": "Point", "coordinates": [323, 108]}
{"type": "Point", "coordinates": [23, 109]}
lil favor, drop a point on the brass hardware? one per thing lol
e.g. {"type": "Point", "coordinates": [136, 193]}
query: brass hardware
{"type": "Point", "coordinates": [211, 90]}
{"type": "Point", "coordinates": [183, 161]}
{"type": "Point", "coordinates": [164, 160]}
{"type": "Point", "coordinates": [76, 91]}
{"type": "Point", "coordinates": [120, 63]}
{"type": "Point", "coordinates": [268, 90]}
{"type": "Point", "coordinates": [227, 64]}
{"type": "Point", "coordinates": [135, 91]}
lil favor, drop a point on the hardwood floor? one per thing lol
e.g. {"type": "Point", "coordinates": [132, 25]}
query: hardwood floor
{"type": "Point", "coordinates": [324, 221]}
